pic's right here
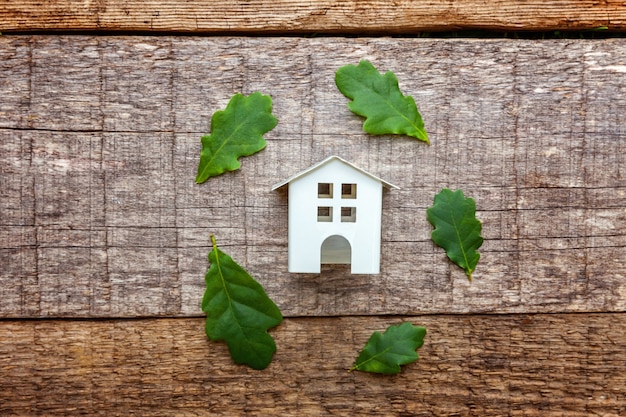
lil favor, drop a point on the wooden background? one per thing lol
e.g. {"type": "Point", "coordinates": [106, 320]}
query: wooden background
{"type": "Point", "coordinates": [104, 234]}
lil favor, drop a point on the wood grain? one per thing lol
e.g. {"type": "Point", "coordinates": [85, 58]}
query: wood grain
{"type": "Point", "coordinates": [99, 144]}
{"type": "Point", "coordinates": [300, 17]}
{"type": "Point", "coordinates": [495, 365]}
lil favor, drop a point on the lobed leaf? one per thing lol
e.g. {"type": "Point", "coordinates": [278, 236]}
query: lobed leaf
{"type": "Point", "coordinates": [236, 131]}
{"type": "Point", "coordinates": [457, 229]}
{"type": "Point", "coordinates": [379, 99]}
{"type": "Point", "coordinates": [385, 352]}
{"type": "Point", "coordinates": [239, 311]}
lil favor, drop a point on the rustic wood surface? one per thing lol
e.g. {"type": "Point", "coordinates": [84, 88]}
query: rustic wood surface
{"type": "Point", "coordinates": [99, 137]}
{"type": "Point", "coordinates": [293, 16]}
{"type": "Point", "coordinates": [100, 221]}
{"type": "Point", "coordinates": [481, 365]}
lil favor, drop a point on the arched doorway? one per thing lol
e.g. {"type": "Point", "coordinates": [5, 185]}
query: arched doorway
{"type": "Point", "coordinates": [336, 250]}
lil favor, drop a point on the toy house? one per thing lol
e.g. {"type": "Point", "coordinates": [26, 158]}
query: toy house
{"type": "Point", "coordinates": [334, 217]}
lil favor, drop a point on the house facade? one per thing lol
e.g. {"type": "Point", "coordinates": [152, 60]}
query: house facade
{"type": "Point", "coordinates": [335, 213]}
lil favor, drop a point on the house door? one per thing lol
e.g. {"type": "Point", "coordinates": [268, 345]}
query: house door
{"type": "Point", "coordinates": [336, 250]}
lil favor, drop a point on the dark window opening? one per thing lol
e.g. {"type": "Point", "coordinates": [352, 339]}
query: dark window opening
{"type": "Point", "coordinates": [348, 190]}
{"type": "Point", "coordinates": [324, 214]}
{"type": "Point", "coordinates": [324, 190]}
{"type": "Point", "coordinates": [348, 214]}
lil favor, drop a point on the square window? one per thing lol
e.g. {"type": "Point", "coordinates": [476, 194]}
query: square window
{"type": "Point", "coordinates": [324, 190]}
{"type": "Point", "coordinates": [324, 214]}
{"type": "Point", "coordinates": [348, 214]}
{"type": "Point", "coordinates": [348, 190]}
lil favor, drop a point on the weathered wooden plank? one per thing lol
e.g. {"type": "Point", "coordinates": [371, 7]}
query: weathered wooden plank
{"type": "Point", "coordinates": [531, 365]}
{"type": "Point", "coordinates": [100, 215]}
{"type": "Point", "coordinates": [282, 16]}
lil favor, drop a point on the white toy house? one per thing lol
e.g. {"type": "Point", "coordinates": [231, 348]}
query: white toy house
{"type": "Point", "coordinates": [334, 217]}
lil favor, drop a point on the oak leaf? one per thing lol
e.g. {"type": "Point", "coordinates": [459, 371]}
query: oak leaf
{"type": "Point", "coordinates": [236, 131]}
{"type": "Point", "coordinates": [379, 99]}
{"type": "Point", "coordinates": [239, 311]}
{"type": "Point", "coordinates": [457, 229]}
{"type": "Point", "coordinates": [385, 352]}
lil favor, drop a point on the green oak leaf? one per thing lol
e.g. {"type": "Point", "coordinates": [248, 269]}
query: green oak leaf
{"type": "Point", "coordinates": [236, 131]}
{"type": "Point", "coordinates": [457, 229]}
{"type": "Point", "coordinates": [385, 352]}
{"type": "Point", "coordinates": [378, 98]}
{"type": "Point", "coordinates": [239, 311]}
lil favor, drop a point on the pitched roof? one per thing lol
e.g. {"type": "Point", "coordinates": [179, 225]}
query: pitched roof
{"type": "Point", "coordinates": [324, 162]}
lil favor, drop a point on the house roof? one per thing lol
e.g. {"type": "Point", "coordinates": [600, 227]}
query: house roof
{"type": "Point", "coordinates": [324, 162]}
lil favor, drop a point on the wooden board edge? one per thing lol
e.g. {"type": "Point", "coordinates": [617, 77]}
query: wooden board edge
{"type": "Point", "coordinates": [534, 365]}
{"type": "Point", "coordinates": [298, 18]}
